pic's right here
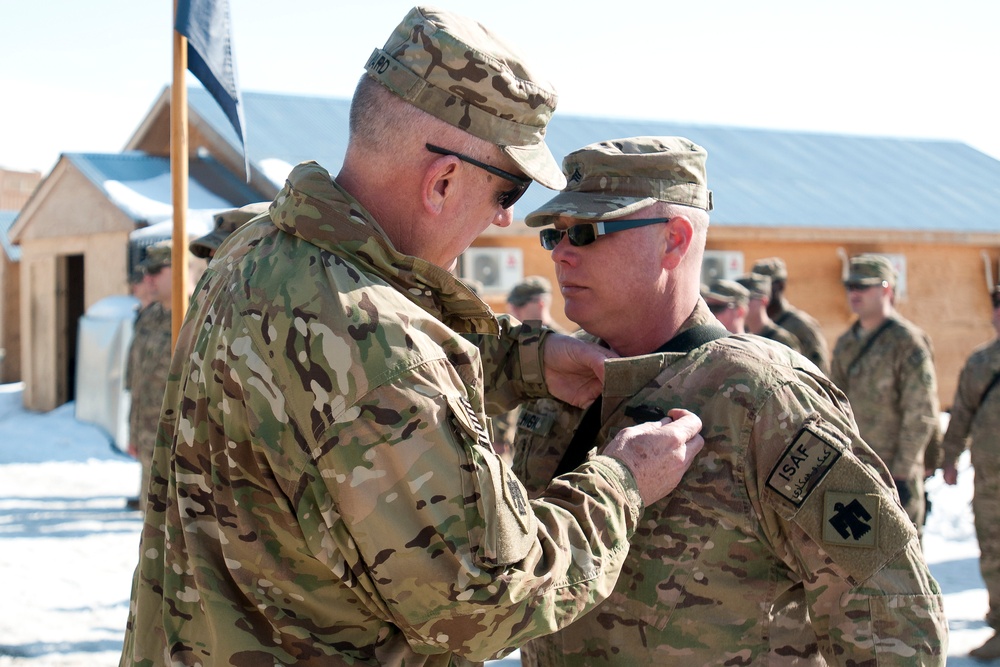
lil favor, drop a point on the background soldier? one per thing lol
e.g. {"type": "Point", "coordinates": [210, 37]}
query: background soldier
{"type": "Point", "coordinates": [226, 223]}
{"type": "Point", "coordinates": [885, 365]}
{"type": "Point", "coordinates": [757, 320]}
{"type": "Point", "coordinates": [148, 361]}
{"type": "Point", "coordinates": [796, 321]}
{"type": "Point", "coordinates": [324, 490]}
{"type": "Point", "coordinates": [975, 422]}
{"type": "Point", "coordinates": [728, 301]}
{"type": "Point", "coordinates": [784, 542]}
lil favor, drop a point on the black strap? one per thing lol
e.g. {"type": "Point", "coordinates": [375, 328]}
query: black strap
{"type": "Point", "coordinates": [982, 399]}
{"type": "Point", "coordinates": [868, 343]}
{"type": "Point", "coordinates": [585, 437]}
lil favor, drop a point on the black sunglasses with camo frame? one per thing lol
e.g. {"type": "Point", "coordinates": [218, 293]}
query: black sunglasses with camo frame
{"type": "Point", "coordinates": [585, 233]}
{"type": "Point", "coordinates": [506, 198]}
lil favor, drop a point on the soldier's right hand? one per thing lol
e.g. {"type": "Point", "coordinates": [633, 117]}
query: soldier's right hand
{"type": "Point", "coordinates": [658, 453]}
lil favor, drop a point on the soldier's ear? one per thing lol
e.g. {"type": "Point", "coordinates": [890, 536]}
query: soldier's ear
{"type": "Point", "coordinates": [438, 183]}
{"type": "Point", "coordinates": [679, 233]}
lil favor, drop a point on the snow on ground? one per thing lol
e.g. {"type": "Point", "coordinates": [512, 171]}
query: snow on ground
{"type": "Point", "coordinates": [68, 547]}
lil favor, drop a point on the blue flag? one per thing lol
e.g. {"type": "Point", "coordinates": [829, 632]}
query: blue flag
{"type": "Point", "coordinates": [207, 26]}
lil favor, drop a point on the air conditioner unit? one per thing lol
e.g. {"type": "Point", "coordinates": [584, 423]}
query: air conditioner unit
{"type": "Point", "coordinates": [727, 264]}
{"type": "Point", "coordinates": [498, 269]}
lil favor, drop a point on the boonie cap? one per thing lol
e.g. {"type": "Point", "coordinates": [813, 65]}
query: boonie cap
{"type": "Point", "coordinates": [757, 284]}
{"type": "Point", "coordinates": [458, 71]}
{"type": "Point", "coordinates": [612, 179]}
{"type": "Point", "coordinates": [226, 223]}
{"type": "Point", "coordinates": [771, 266]}
{"type": "Point", "coordinates": [726, 291]}
{"type": "Point", "coordinates": [870, 269]}
{"type": "Point", "coordinates": [525, 291]}
{"type": "Point", "coordinates": [157, 257]}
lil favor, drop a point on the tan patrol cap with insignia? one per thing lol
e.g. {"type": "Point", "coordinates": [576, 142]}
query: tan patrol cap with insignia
{"type": "Point", "coordinates": [771, 266]}
{"type": "Point", "coordinates": [869, 269]}
{"type": "Point", "coordinates": [158, 256]}
{"type": "Point", "coordinates": [226, 223]}
{"type": "Point", "coordinates": [612, 179]}
{"type": "Point", "coordinates": [531, 287]}
{"type": "Point", "coordinates": [757, 284]}
{"type": "Point", "coordinates": [458, 71]}
{"type": "Point", "coordinates": [726, 291]}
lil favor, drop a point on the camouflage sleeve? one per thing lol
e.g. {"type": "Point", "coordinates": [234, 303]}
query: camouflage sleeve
{"type": "Point", "coordinates": [918, 409]}
{"type": "Point", "coordinates": [512, 363]}
{"type": "Point", "coordinates": [828, 510]}
{"type": "Point", "coordinates": [956, 439]}
{"type": "Point", "coordinates": [838, 359]}
{"type": "Point", "coordinates": [453, 552]}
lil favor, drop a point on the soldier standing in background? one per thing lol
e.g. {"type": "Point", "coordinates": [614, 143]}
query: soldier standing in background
{"type": "Point", "coordinates": [975, 423]}
{"type": "Point", "coordinates": [728, 301]}
{"type": "Point", "coordinates": [149, 360]}
{"type": "Point", "coordinates": [784, 543]}
{"type": "Point", "coordinates": [757, 320]}
{"type": "Point", "coordinates": [797, 322]}
{"type": "Point", "coordinates": [324, 491]}
{"type": "Point", "coordinates": [885, 365]}
{"type": "Point", "coordinates": [226, 223]}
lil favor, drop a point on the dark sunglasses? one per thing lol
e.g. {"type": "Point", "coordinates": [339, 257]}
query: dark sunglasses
{"type": "Point", "coordinates": [860, 287]}
{"type": "Point", "coordinates": [716, 308]}
{"type": "Point", "coordinates": [507, 198]}
{"type": "Point", "coordinates": [586, 233]}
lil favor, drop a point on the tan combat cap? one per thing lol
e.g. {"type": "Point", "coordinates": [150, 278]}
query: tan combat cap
{"type": "Point", "coordinates": [457, 70]}
{"type": "Point", "coordinates": [226, 223]}
{"type": "Point", "coordinates": [771, 266]}
{"type": "Point", "coordinates": [527, 290]}
{"type": "Point", "coordinates": [870, 270]}
{"type": "Point", "coordinates": [757, 284]}
{"type": "Point", "coordinates": [612, 179]}
{"type": "Point", "coordinates": [158, 256]}
{"type": "Point", "coordinates": [726, 291]}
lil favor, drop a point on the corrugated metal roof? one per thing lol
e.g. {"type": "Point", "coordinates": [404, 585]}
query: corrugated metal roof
{"type": "Point", "coordinates": [139, 184]}
{"type": "Point", "coordinates": [7, 219]}
{"type": "Point", "coordinates": [760, 178]}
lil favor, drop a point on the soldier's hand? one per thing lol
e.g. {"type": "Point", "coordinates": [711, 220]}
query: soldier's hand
{"type": "Point", "coordinates": [574, 369]}
{"type": "Point", "coordinates": [658, 453]}
{"type": "Point", "coordinates": [950, 474]}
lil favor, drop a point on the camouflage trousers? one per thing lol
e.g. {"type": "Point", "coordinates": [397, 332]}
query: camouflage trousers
{"type": "Point", "coordinates": [986, 506]}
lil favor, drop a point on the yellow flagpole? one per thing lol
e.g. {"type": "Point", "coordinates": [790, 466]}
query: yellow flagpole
{"type": "Point", "coordinates": [179, 181]}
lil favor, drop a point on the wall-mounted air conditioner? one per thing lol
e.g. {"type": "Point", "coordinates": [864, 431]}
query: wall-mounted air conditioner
{"type": "Point", "coordinates": [498, 269]}
{"type": "Point", "coordinates": [717, 264]}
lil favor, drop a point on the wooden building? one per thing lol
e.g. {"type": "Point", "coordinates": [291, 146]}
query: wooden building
{"type": "Point", "coordinates": [812, 199]}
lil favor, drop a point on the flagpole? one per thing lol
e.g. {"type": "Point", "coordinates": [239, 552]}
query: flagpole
{"type": "Point", "coordinates": [179, 181]}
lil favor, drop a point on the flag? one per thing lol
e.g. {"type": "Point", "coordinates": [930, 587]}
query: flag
{"type": "Point", "coordinates": [208, 28]}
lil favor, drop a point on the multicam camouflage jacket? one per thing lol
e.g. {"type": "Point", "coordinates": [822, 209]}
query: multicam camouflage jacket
{"type": "Point", "coordinates": [806, 329]}
{"type": "Point", "coordinates": [892, 388]}
{"type": "Point", "coordinates": [146, 377]}
{"type": "Point", "coordinates": [783, 544]}
{"type": "Point", "coordinates": [324, 491]}
{"type": "Point", "coordinates": [774, 332]}
{"type": "Point", "coordinates": [975, 417]}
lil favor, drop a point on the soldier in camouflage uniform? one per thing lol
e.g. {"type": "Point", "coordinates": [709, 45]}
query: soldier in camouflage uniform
{"type": "Point", "coordinates": [885, 365]}
{"type": "Point", "coordinates": [757, 321]}
{"type": "Point", "coordinates": [975, 422]}
{"type": "Point", "coordinates": [784, 543]}
{"type": "Point", "coordinates": [324, 489]}
{"type": "Point", "coordinates": [148, 362]}
{"type": "Point", "coordinates": [226, 222]}
{"type": "Point", "coordinates": [728, 301]}
{"type": "Point", "coordinates": [797, 322]}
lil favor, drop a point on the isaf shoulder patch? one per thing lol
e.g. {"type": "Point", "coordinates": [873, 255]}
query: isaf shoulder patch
{"type": "Point", "coordinates": [802, 466]}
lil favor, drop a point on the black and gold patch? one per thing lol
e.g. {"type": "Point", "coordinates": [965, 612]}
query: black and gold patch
{"type": "Point", "coordinates": [851, 519]}
{"type": "Point", "coordinates": [802, 466]}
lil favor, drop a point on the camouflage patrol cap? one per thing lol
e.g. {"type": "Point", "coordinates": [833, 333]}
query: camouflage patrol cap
{"type": "Point", "coordinates": [226, 223]}
{"type": "Point", "coordinates": [771, 266]}
{"type": "Point", "coordinates": [726, 291]}
{"type": "Point", "coordinates": [531, 287]}
{"type": "Point", "coordinates": [757, 284]}
{"type": "Point", "coordinates": [158, 256]}
{"type": "Point", "coordinates": [458, 71]}
{"type": "Point", "coordinates": [869, 269]}
{"type": "Point", "coordinates": [612, 179]}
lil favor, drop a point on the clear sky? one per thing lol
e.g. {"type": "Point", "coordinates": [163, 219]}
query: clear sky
{"type": "Point", "coordinates": [80, 76]}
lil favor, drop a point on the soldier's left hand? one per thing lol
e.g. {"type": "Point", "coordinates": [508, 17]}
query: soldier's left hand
{"type": "Point", "coordinates": [574, 369]}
